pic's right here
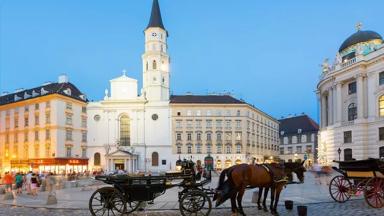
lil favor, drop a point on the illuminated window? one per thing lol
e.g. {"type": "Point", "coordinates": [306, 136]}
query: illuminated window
{"type": "Point", "coordinates": [381, 106]}
{"type": "Point", "coordinates": [125, 131]}
{"type": "Point", "coordinates": [96, 159]}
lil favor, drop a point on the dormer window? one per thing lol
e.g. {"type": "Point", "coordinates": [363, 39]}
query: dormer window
{"type": "Point", "coordinates": [43, 91]}
{"type": "Point", "coordinates": [67, 91]}
{"type": "Point", "coordinates": [26, 95]}
{"type": "Point", "coordinates": [299, 131]}
{"type": "Point", "coordinates": [282, 133]}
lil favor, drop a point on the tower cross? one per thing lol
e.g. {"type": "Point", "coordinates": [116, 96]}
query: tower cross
{"type": "Point", "coordinates": [358, 26]}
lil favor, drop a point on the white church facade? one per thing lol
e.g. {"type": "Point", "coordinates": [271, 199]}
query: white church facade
{"type": "Point", "coordinates": [129, 130]}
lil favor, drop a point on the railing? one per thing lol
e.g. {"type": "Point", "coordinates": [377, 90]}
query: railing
{"type": "Point", "coordinates": [348, 63]}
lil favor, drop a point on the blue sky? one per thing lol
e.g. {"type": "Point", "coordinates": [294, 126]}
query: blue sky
{"type": "Point", "coordinates": [266, 52]}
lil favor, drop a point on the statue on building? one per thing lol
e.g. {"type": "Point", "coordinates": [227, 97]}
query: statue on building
{"type": "Point", "coordinates": [325, 66]}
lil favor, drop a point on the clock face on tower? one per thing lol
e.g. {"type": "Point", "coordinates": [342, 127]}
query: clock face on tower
{"type": "Point", "coordinates": [154, 34]}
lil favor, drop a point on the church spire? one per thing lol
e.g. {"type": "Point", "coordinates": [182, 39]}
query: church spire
{"type": "Point", "coordinates": [155, 20]}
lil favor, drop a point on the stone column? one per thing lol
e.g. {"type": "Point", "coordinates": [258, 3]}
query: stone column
{"type": "Point", "coordinates": [330, 106]}
{"type": "Point", "coordinates": [360, 96]}
{"type": "Point", "coordinates": [323, 111]}
{"type": "Point", "coordinates": [339, 103]}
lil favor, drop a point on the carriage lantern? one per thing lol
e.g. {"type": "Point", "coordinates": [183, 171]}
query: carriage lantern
{"type": "Point", "coordinates": [339, 152]}
{"type": "Point", "coordinates": [179, 164]}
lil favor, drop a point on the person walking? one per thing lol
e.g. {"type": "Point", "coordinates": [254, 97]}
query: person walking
{"type": "Point", "coordinates": [34, 184]}
{"type": "Point", "coordinates": [19, 183]}
{"type": "Point", "coordinates": [28, 182]}
{"type": "Point", "coordinates": [8, 180]}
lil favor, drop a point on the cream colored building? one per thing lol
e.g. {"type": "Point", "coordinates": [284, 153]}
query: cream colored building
{"type": "Point", "coordinates": [351, 96]}
{"type": "Point", "coordinates": [230, 130]}
{"type": "Point", "coordinates": [44, 128]}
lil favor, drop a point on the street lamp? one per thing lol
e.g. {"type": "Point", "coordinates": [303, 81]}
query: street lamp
{"type": "Point", "coordinates": [339, 152]}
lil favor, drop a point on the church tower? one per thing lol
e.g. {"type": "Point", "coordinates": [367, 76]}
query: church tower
{"type": "Point", "coordinates": [155, 58]}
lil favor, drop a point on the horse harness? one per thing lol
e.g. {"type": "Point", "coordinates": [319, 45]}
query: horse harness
{"type": "Point", "coordinates": [275, 179]}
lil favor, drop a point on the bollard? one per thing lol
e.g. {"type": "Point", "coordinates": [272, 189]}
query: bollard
{"type": "Point", "coordinates": [255, 196]}
{"type": "Point", "coordinates": [9, 196]}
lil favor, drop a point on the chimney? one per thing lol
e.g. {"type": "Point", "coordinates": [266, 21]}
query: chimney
{"type": "Point", "coordinates": [63, 78]}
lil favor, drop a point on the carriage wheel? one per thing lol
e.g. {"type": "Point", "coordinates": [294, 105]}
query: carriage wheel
{"type": "Point", "coordinates": [374, 192]}
{"type": "Point", "coordinates": [340, 188]}
{"type": "Point", "coordinates": [195, 203]}
{"type": "Point", "coordinates": [132, 206]}
{"type": "Point", "coordinates": [107, 201]}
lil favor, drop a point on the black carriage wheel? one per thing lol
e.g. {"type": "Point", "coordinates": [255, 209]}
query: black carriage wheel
{"type": "Point", "coordinates": [132, 206]}
{"type": "Point", "coordinates": [340, 188]}
{"type": "Point", "coordinates": [107, 201]}
{"type": "Point", "coordinates": [195, 203]}
{"type": "Point", "coordinates": [374, 192]}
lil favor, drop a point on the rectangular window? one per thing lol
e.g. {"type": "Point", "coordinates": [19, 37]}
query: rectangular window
{"type": "Point", "coordinates": [47, 151]}
{"type": "Point", "coordinates": [209, 123]}
{"type": "Point", "coordinates": [189, 150]}
{"type": "Point", "coordinates": [298, 149]}
{"type": "Point", "coordinates": [7, 138]}
{"type": "Point", "coordinates": [289, 150]}
{"type": "Point", "coordinates": [69, 152]}
{"type": "Point", "coordinates": [47, 134]}
{"type": "Point", "coordinates": [189, 136]}
{"type": "Point", "coordinates": [26, 122]}
{"type": "Point", "coordinates": [198, 149]}
{"type": "Point", "coordinates": [209, 136]}
{"type": "Point", "coordinates": [189, 124]}
{"type": "Point", "coordinates": [238, 124]}
{"type": "Point", "coordinates": [178, 136]}
{"type": "Point", "coordinates": [16, 138]}
{"type": "Point", "coordinates": [68, 135]}
{"type": "Point", "coordinates": [26, 136]}
{"type": "Point", "coordinates": [83, 136]}
{"type": "Point", "coordinates": [219, 124]}
{"type": "Point", "coordinates": [37, 151]}
{"type": "Point", "coordinates": [36, 135]}
{"type": "Point", "coordinates": [381, 133]}
{"type": "Point", "coordinates": [282, 150]}
{"type": "Point", "coordinates": [37, 120]}
{"type": "Point", "coordinates": [47, 118]}
{"type": "Point", "coordinates": [37, 106]}
{"type": "Point", "coordinates": [238, 136]}
{"type": "Point", "coordinates": [47, 104]}
{"type": "Point", "coordinates": [198, 123]}
{"type": "Point", "coordinates": [68, 106]}
{"type": "Point", "coordinates": [178, 123]}
{"type": "Point", "coordinates": [84, 109]}
{"type": "Point", "coordinates": [228, 124]}
{"type": "Point", "coordinates": [352, 88]}
{"type": "Point", "coordinates": [26, 109]}
{"type": "Point", "coordinates": [219, 149]}
{"type": "Point", "coordinates": [209, 149]}
{"type": "Point", "coordinates": [198, 136]}
{"type": "Point", "coordinates": [16, 122]}
{"type": "Point", "coordinates": [238, 149]}
{"type": "Point", "coordinates": [83, 122]}
{"type": "Point", "coordinates": [228, 149]}
{"type": "Point", "coordinates": [347, 136]}
{"type": "Point", "coordinates": [218, 136]}
{"type": "Point", "coordinates": [178, 149]}
{"type": "Point", "coordinates": [163, 162]}
{"type": "Point", "coordinates": [84, 152]}
{"type": "Point", "coordinates": [68, 119]}
{"type": "Point", "coordinates": [381, 78]}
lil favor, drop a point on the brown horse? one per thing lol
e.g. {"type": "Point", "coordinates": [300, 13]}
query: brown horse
{"type": "Point", "coordinates": [245, 176]}
{"type": "Point", "coordinates": [290, 167]}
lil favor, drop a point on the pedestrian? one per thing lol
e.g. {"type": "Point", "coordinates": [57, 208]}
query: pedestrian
{"type": "Point", "coordinates": [28, 183]}
{"type": "Point", "coordinates": [19, 183]}
{"type": "Point", "coordinates": [50, 182]}
{"type": "Point", "coordinates": [8, 180]}
{"type": "Point", "coordinates": [34, 184]}
{"type": "Point", "coordinates": [317, 172]}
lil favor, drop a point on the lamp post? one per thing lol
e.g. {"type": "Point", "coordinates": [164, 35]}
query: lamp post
{"type": "Point", "coordinates": [339, 152]}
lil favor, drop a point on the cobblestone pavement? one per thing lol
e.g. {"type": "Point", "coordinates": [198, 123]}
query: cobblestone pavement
{"type": "Point", "coordinates": [353, 207]}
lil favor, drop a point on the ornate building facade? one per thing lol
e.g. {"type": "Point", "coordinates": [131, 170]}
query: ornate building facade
{"type": "Point", "coordinates": [351, 96]}
{"type": "Point", "coordinates": [128, 130]}
{"type": "Point", "coordinates": [298, 139]}
{"type": "Point", "coordinates": [44, 128]}
{"type": "Point", "coordinates": [228, 129]}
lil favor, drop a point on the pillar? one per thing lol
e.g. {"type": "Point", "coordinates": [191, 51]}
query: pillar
{"type": "Point", "coordinates": [360, 96]}
{"type": "Point", "coordinates": [339, 103]}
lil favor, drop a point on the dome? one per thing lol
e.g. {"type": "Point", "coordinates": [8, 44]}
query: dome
{"type": "Point", "coordinates": [358, 37]}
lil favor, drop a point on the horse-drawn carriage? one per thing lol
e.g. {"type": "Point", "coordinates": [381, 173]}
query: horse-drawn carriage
{"type": "Point", "coordinates": [128, 192]}
{"type": "Point", "coordinates": [359, 177]}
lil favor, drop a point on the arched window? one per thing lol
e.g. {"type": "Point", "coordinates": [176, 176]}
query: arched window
{"type": "Point", "coordinates": [352, 112]}
{"type": "Point", "coordinates": [381, 106]}
{"type": "Point", "coordinates": [125, 139]}
{"type": "Point", "coordinates": [155, 159]}
{"type": "Point", "coordinates": [347, 154]}
{"type": "Point", "coordinates": [381, 152]}
{"type": "Point", "coordinates": [146, 66]}
{"type": "Point", "coordinates": [154, 65]}
{"type": "Point", "coordinates": [96, 159]}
